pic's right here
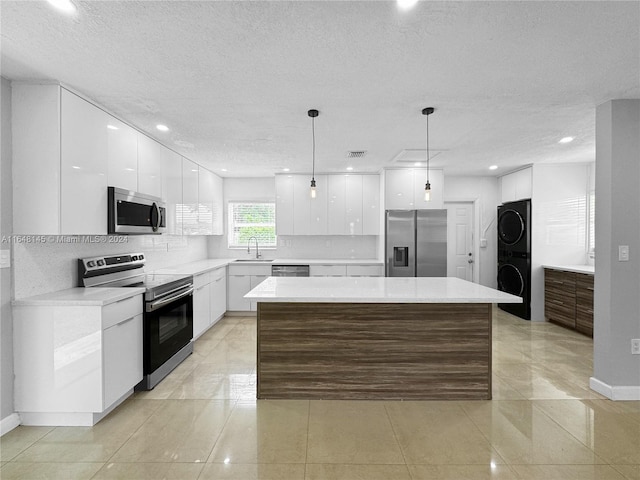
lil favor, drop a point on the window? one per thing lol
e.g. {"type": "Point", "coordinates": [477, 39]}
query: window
{"type": "Point", "coordinates": [248, 220]}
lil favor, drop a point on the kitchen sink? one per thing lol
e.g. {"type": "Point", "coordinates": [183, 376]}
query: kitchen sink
{"type": "Point", "coordinates": [253, 260]}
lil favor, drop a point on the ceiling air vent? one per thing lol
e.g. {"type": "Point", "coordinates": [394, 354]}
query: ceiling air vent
{"type": "Point", "coordinates": [356, 153]}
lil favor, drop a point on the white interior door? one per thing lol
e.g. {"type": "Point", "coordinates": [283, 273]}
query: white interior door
{"type": "Point", "coordinates": [460, 258]}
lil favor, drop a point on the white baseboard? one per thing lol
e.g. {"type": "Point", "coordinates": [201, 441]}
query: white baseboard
{"type": "Point", "coordinates": [9, 423]}
{"type": "Point", "coordinates": [615, 393]}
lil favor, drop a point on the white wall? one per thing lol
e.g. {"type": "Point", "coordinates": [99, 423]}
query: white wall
{"type": "Point", "coordinates": [485, 191]}
{"type": "Point", "coordinates": [6, 219]}
{"type": "Point", "coordinates": [617, 284]}
{"type": "Point", "coordinates": [559, 223]}
{"type": "Point", "coordinates": [300, 246]}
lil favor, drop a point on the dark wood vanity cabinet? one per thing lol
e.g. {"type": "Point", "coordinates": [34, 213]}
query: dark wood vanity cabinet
{"type": "Point", "coordinates": [569, 299]}
{"type": "Point", "coordinates": [584, 303]}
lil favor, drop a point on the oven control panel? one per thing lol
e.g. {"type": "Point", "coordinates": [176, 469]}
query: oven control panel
{"type": "Point", "coordinates": [101, 265]}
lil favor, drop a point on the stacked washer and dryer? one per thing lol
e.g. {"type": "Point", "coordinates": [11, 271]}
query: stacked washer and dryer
{"type": "Point", "coordinates": [514, 255]}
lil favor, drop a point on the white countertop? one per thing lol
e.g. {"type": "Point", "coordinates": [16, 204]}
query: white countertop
{"type": "Point", "coordinates": [327, 261]}
{"type": "Point", "coordinates": [194, 268]}
{"type": "Point", "coordinates": [80, 296]}
{"type": "Point", "coordinates": [376, 290]}
{"type": "Point", "coordinates": [589, 269]}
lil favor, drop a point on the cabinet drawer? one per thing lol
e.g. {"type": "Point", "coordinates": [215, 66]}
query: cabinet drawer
{"type": "Point", "coordinates": [584, 320]}
{"type": "Point", "coordinates": [364, 270]}
{"type": "Point", "coordinates": [201, 279]}
{"type": "Point", "coordinates": [328, 270]}
{"type": "Point", "coordinates": [561, 281]}
{"type": "Point", "coordinates": [563, 299]}
{"type": "Point", "coordinates": [117, 312]}
{"type": "Point", "coordinates": [560, 314]}
{"type": "Point", "coordinates": [218, 274]}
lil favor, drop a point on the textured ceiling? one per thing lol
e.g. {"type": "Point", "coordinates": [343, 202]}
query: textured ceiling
{"type": "Point", "coordinates": [234, 79]}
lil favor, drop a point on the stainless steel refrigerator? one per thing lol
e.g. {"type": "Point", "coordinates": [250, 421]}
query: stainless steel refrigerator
{"type": "Point", "coordinates": [416, 243]}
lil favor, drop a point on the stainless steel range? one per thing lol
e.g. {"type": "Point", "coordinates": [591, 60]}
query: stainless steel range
{"type": "Point", "coordinates": [168, 309]}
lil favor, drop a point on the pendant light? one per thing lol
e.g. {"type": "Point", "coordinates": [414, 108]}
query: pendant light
{"type": "Point", "coordinates": [427, 187]}
{"type": "Point", "coordinates": [313, 114]}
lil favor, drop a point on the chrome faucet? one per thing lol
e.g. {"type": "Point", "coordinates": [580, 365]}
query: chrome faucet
{"type": "Point", "coordinates": [249, 247]}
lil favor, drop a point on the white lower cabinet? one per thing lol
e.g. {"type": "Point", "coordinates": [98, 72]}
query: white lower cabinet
{"type": "Point", "coordinates": [201, 304]}
{"type": "Point", "coordinates": [365, 270]}
{"type": "Point", "coordinates": [346, 270]}
{"type": "Point", "coordinates": [239, 286]}
{"type": "Point", "coordinates": [327, 270]}
{"type": "Point", "coordinates": [73, 364]}
{"type": "Point", "coordinates": [242, 279]}
{"type": "Point", "coordinates": [122, 354]}
{"type": "Point", "coordinates": [218, 294]}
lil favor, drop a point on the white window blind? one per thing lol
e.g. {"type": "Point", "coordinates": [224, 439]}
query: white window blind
{"type": "Point", "coordinates": [248, 220]}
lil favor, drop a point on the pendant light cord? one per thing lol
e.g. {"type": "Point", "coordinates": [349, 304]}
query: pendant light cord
{"type": "Point", "coordinates": [313, 148]}
{"type": "Point", "coordinates": [427, 148]}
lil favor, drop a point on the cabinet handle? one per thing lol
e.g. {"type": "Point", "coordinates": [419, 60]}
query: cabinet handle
{"type": "Point", "coordinates": [123, 300]}
{"type": "Point", "coordinates": [123, 321]}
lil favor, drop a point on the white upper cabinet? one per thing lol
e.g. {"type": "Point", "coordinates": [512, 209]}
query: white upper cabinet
{"type": "Point", "coordinates": [309, 214]}
{"type": "Point", "coordinates": [341, 205]}
{"type": "Point", "coordinates": [172, 190]}
{"type": "Point", "coordinates": [218, 206]}
{"type": "Point", "coordinates": [516, 185]}
{"type": "Point", "coordinates": [150, 163]}
{"type": "Point", "coordinates": [83, 147]}
{"type": "Point", "coordinates": [284, 205]}
{"type": "Point", "coordinates": [370, 204]}
{"type": "Point", "coordinates": [353, 204]}
{"type": "Point", "coordinates": [122, 155]}
{"type": "Point", "coordinates": [399, 189]}
{"type": "Point", "coordinates": [404, 189]}
{"type": "Point", "coordinates": [66, 151]}
{"type": "Point", "coordinates": [35, 120]}
{"type": "Point", "coordinates": [302, 204]}
{"type": "Point", "coordinates": [188, 213]}
{"type": "Point", "coordinates": [436, 179]}
{"type": "Point", "coordinates": [318, 214]}
{"type": "Point", "coordinates": [205, 201]}
{"type": "Point", "coordinates": [337, 205]}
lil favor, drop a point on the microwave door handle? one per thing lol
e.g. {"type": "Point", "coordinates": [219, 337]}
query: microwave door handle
{"type": "Point", "coordinates": [158, 303]}
{"type": "Point", "coordinates": [155, 225]}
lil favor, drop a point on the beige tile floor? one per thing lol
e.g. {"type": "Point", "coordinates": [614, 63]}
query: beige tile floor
{"type": "Point", "coordinates": [203, 422]}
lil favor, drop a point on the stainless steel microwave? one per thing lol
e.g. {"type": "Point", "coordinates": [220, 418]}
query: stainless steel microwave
{"type": "Point", "coordinates": [135, 213]}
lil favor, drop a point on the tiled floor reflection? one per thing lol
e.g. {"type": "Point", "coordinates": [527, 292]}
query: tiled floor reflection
{"type": "Point", "coordinates": [203, 422]}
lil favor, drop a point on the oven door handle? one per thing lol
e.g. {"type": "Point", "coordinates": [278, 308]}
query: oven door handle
{"type": "Point", "coordinates": [163, 301]}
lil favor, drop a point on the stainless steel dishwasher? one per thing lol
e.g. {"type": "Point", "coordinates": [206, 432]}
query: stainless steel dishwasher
{"type": "Point", "coordinates": [289, 270]}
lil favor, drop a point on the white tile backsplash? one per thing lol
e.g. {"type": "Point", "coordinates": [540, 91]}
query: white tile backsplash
{"type": "Point", "coordinates": [307, 246]}
{"type": "Point", "coordinates": [50, 264]}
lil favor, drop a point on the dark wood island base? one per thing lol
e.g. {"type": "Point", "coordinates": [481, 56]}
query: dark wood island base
{"type": "Point", "coordinates": [374, 351]}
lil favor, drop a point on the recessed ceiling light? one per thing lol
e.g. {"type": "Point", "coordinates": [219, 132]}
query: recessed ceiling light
{"type": "Point", "coordinates": [406, 4]}
{"type": "Point", "coordinates": [162, 128]}
{"type": "Point", "coordinates": [75, 166]}
{"type": "Point", "coordinates": [224, 170]}
{"type": "Point", "coordinates": [112, 127]}
{"type": "Point", "coordinates": [493, 167]}
{"type": "Point", "coordinates": [285, 169]}
{"type": "Point", "coordinates": [349, 169]}
{"type": "Point", "coordinates": [566, 140]}
{"type": "Point", "coordinates": [417, 164]}
{"type": "Point", "coordinates": [65, 6]}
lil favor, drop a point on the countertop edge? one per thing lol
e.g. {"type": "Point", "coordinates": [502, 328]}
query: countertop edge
{"type": "Point", "coordinates": [586, 269]}
{"type": "Point", "coordinates": [74, 297]}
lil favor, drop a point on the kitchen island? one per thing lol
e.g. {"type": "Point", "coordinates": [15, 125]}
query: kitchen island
{"type": "Point", "coordinates": [374, 338]}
